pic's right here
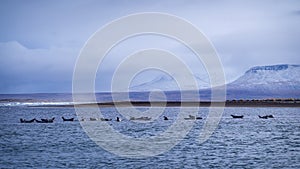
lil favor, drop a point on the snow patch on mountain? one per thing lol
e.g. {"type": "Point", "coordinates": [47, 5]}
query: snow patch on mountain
{"type": "Point", "coordinates": [269, 78]}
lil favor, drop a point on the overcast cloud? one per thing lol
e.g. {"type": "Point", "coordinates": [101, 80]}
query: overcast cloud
{"type": "Point", "coordinates": [41, 40]}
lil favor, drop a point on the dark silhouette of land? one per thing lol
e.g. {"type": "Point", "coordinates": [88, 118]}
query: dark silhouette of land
{"type": "Point", "coordinates": [228, 103]}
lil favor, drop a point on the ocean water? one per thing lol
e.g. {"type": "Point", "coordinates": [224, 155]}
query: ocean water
{"type": "Point", "coordinates": [236, 143]}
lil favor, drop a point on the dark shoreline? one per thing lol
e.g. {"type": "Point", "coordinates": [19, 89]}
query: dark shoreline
{"type": "Point", "coordinates": [183, 104]}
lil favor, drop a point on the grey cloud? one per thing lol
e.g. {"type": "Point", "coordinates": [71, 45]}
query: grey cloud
{"type": "Point", "coordinates": [295, 12]}
{"type": "Point", "coordinates": [51, 34]}
{"type": "Point", "coordinates": [35, 70]}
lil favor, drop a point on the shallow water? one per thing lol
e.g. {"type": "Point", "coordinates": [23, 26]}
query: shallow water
{"type": "Point", "coordinates": [236, 143]}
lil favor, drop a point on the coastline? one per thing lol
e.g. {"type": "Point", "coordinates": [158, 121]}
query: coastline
{"type": "Point", "coordinates": [258, 103]}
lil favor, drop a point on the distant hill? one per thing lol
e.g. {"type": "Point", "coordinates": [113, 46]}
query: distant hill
{"type": "Point", "coordinates": [267, 81]}
{"type": "Point", "coordinates": [167, 83]}
{"type": "Point", "coordinates": [258, 82]}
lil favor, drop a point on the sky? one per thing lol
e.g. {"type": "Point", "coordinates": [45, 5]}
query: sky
{"type": "Point", "coordinates": [40, 41]}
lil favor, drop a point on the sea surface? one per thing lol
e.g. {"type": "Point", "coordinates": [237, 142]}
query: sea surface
{"type": "Point", "coordinates": [250, 142]}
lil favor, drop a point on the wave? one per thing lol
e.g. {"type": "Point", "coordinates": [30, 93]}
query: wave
{"type": "Point", "coordinates": [9, 104]}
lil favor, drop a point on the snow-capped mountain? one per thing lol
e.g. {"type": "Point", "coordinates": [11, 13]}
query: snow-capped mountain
{"type": "Point", "coordinates": [274, 81]}
{"type": "Point", "coordinates": [258, 82]}
{"type": "Point", "coordinates": [270, 78]}
{"type": "Point", "coordinates": [167, 83]}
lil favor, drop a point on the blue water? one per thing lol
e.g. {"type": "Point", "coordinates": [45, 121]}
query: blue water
{"type": "Point", "coordinates": [236, 143]}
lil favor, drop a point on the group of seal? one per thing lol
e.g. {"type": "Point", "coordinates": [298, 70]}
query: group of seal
{"type": "Point", "coordinates": [261, 117]}
{"type": "Point", "coordinates": [131, 118]}
{"type": "Point", "coordinates": [38, 121]}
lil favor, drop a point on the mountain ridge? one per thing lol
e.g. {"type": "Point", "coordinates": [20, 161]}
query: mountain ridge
{"type": "Point", "coordinates": [167, 83]}
{"type": "Point", "coordinates": [283, 76]}
{"type": "Point", "coordinates": [282, 80]}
